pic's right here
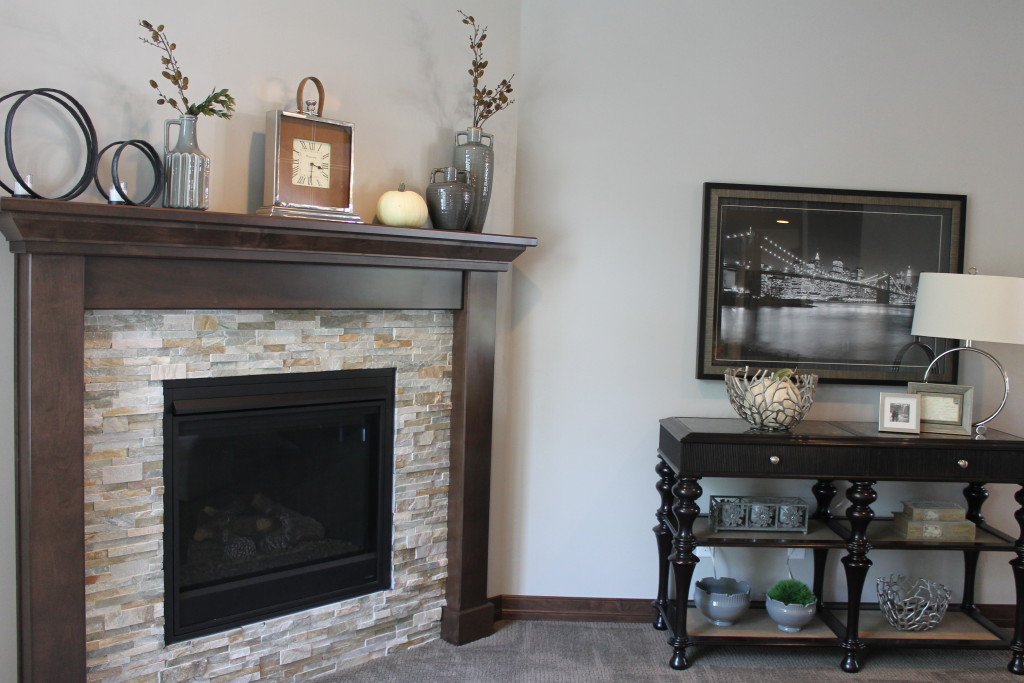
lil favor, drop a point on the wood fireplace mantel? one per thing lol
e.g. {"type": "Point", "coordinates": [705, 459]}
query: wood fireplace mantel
{"type": "Point", "coordinates": [72, 257]}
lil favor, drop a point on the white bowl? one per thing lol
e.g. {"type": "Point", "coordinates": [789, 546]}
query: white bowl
{"type": "Point", "coordinates": [722, 601]}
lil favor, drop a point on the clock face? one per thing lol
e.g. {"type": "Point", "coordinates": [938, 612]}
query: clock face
{"type": "Point", "coordinates": [311, 163]}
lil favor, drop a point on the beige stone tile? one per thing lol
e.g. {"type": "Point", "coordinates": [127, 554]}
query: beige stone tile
{"type": "Point", "coordinates": [341, 340]}
{"type": "Point", "coordinates": [204, 322]}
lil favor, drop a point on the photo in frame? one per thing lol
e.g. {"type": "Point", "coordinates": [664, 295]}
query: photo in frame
{"type": "Point", "coordinates": [899, 413]}
{"type": "Point", "coordinates": [823, 280]}
{"type": "Point", "coordinates": [945, 408]}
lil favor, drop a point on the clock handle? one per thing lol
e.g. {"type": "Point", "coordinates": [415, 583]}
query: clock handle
{"type": "Point", "coordinates": [319, 92]}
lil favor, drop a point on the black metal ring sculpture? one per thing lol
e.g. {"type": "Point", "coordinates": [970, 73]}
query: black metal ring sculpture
{"type": "Point", "coordinates": [154, 161]}
{"type": "Point", "coordinates": [81, 118]}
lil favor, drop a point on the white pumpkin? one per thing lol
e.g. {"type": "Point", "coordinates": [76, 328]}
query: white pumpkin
{"type": "Point", "coordinates": [402, 208]}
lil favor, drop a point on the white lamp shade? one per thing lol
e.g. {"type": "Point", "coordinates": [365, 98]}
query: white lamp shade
{"type": "Point", "coordinates": [986, 308]}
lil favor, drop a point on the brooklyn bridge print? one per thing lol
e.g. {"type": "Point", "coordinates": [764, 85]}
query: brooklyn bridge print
{"type": "Point", "coordinates": [824, 285]}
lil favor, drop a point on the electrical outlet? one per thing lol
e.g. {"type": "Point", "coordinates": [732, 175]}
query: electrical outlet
{"type": "Point", "coordinates": [796, 553]}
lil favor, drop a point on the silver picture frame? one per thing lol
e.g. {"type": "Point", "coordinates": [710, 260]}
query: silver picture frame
{"type": "Point", "coordinates": [899, 413]}
{"type": "Point", "coordinates": [945, 408]}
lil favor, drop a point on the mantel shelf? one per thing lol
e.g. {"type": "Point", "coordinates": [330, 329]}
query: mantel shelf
{"type": "Point", "coordinates": [43, 226]}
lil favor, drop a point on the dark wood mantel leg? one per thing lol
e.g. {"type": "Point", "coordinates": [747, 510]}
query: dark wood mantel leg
{"type": "Point", "coordinates": [468, 614]}
{"type": "Point", "coordinates": [686, 492]}
{"type": "Point", "coordinates": [51, 435]}
{"type": "Point", "coordinates": [664, 537]}
{"type": "Point", "coordinates": [861, 495]}
{"type": "Point", "coordinates": [1016, 665]}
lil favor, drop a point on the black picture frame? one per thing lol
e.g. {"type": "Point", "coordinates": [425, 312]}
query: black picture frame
{"type": "Point", "coordinates": [830, 292]}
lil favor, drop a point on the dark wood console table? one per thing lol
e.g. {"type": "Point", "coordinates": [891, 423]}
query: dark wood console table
{"type": "Point", "coordinates": [692, 448]}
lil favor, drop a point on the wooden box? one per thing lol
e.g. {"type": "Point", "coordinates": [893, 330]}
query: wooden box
{"type": "Point", "coordinates": [934, 510]}
{"type": "Point", "coordinates": [933, 530]}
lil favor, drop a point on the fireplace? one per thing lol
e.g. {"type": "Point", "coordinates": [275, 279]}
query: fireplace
{"type": "Point", "coordinates": [277, 495]}
{"type": "Point", "coordinates": [74, 257]}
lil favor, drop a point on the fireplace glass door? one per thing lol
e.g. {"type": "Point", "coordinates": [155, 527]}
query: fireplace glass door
{"type": "Point", "coordinates": [278, 495]}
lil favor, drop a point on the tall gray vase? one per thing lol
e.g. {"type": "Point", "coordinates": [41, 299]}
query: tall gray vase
{"type": "Point", "coordinates": [477, 160]}
{"type": "Point", "coordinates": [186, 168]}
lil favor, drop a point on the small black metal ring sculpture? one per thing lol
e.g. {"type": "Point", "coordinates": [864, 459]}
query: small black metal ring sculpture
{"type": "Point", "coordinates": [154, 161]}
{"type": "Point", "coordinates": [81, 118]}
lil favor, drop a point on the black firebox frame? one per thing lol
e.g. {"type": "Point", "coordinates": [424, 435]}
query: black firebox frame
{"type": "Point", "coordinates": [188, 611]}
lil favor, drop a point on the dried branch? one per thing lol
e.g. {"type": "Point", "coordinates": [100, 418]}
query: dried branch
{"type": "Point", "coordinates": [486, 102]}
{"type": "Point", "coordinates": [217, 103]}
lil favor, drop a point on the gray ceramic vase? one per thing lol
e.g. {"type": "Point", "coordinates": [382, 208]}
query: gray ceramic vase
{"type": "Point", "coordinates": [186, 168]}
{"type": "Point", "coordinates": [450, 201]}
{"type": "Point", "coordinates": [477, 159]}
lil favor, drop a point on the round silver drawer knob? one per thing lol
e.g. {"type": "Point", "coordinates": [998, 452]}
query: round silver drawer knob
{"type": "Point", "coordinates": [775, 460]}
{"type": "Point", "coordinates": [962, 464]}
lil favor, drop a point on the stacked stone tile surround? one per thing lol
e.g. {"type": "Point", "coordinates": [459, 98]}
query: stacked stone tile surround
{"type": "Point", "coordinates": [127, 355]}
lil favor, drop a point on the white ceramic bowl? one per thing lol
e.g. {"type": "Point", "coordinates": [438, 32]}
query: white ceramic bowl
{"type": "Point", "coordinates": [722, 601]}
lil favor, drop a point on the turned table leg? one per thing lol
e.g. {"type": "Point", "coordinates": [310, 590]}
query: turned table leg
{"type": "Point", "coordinates": [663, 534]}
{"type": "Point", "coordinates": [686, 492]}
{"type": "Point", "coordinates": [1016, 665]}
{"type": "Point", "coordinates": [975, 494]}
{"type": "Point", "coordinates": [861, 495]}
{"type": "Point", "coordinates": [824, 492]}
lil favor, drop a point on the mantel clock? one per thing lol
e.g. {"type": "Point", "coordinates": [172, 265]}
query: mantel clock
{"type": "Point", "coordinates": [309, 163]}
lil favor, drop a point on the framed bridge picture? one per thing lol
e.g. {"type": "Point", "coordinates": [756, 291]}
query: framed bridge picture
{"type": "Point", "coordinates": [823, 280]}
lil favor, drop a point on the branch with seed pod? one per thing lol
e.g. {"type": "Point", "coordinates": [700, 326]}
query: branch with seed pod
{"type": "Point", "coordinates": [486, 102]}
{"type": "Point", "coordinates": [218, 103]}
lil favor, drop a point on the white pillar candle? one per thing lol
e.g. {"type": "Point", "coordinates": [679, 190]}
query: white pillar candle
{"type": "Point", "coordinates": [19, 190]}
{"type": "Point", "coordinates": [113, 197]}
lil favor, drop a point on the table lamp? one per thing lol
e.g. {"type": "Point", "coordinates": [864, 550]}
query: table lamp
{"type": "Point", "coordinates": [972, 308]}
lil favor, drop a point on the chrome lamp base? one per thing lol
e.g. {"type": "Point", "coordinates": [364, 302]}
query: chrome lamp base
{"type": "Point", "coordinates": [979, 427]}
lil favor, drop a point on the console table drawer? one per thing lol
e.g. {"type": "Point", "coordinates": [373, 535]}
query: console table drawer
{"type": "Point", "coordinates": [947, 465]}
{"type": "Point", "coordinates": [711, 460]}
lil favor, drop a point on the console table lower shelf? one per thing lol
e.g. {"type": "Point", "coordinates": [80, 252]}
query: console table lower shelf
{"type": "Point", "coordinates": [958, 629]}
{"type": "Point", "coordinates": [693, 448]}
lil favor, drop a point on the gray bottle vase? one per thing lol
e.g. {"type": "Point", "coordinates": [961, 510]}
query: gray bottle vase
{"type": "Point", "coordinates": [450, 201]}
{"type": "Point", "coordinates": [477, 159]}
{"type": "Point", "coordinates": [186, 168]}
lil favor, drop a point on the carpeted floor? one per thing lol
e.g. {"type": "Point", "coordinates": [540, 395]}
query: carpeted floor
{"type": "Point", "coordinates": [568, 652]}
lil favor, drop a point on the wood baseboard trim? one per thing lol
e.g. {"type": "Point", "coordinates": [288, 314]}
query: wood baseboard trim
{"type": "Point", "coordinates": [553, 608]}
{"type": "Point", "coordinates": [631, 610]}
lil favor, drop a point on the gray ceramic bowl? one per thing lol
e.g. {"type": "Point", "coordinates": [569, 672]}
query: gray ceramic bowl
{"type": "Point", "coordinates": [790, 618]}
{"type": "Point", "coordinates": [723, 600]}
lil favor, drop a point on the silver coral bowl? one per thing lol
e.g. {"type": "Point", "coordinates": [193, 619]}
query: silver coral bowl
{"type": "Point", "coordinates": [912, 605]}
{"type": "Point", "coordinates": [770, 404]}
